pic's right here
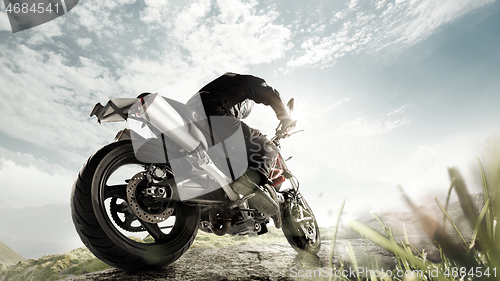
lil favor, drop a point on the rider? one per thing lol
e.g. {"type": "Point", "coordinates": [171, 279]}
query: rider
{"type": "Point", "coordinates": [232, 96]}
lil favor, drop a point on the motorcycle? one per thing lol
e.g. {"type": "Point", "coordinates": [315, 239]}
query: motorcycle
{"type": "Point", "coordinates": [168, 183]}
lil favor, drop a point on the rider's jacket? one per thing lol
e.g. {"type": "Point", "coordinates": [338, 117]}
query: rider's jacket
{"type": "Point", "coordinates": [231, 93]}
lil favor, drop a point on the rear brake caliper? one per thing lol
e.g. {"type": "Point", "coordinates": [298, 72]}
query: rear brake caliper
{"type": "Point", "coordinates": [144, 202]}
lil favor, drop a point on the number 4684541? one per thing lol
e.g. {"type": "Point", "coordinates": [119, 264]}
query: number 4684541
{"type": "Point", "coordinates": [470, 272]}
{"type": "Point", "coordinates": [35, 8]}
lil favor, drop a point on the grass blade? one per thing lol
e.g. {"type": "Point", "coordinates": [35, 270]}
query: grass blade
{"type": "Point", "coordinates": [405, 233]}
{"type": "Point", "coordinates": [463, 196]}
{"type": "Point", "coordinates": [478, 224]}
{"type": "Point", "coordinates": [448, 201]}
{"type": "Point", "coordinates": [353, 259]}
{"type": "Point", "coordinates": [452, 222]}
{"type": "Point", "coordinates": [384, 242]}
{"type": "Point", "coordinates": [486, 195]}
{"type": "Point", "coordinates": [334, 238]}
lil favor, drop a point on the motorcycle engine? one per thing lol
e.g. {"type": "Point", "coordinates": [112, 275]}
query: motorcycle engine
{"type": "Point", "coordinates": [243, 222]}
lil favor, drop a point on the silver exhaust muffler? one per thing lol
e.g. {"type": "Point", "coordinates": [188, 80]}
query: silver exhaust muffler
{"type": "Point", "coordinates": [159, 113]}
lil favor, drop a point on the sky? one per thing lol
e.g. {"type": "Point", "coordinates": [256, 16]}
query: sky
{"type": "Point", "coordinates": [387, 92]}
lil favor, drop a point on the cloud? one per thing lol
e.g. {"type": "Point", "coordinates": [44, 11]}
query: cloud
{"type": "Point", "coordinates": [237, 36]}
{"type": "Point", "coordinates": [399, 110]}
{"type": "Point", "coordinates": [154, 11]}
{"type": "Point", "coordinates": [27, 181]}
{"type": "Point", "coordinates": [337, 103]}
{"type": "Point", "coordinates": [139, 75]}
{"type": "Point", "coordinates": [428, 15]}
{"type": "Point", "coordinates": [104, 18]}
{"type": "Point", "coordinates": [324, 51]}
{"type": "Point", "coordinates": [190, 18]}
{"type": "Point", "coordinates": [83, 42]}
{"type": "Point", "coordinates": [323, 109]}
{"type": "Point", "coordinates": [353, 4]}
{"type": "Point", "coordinates": [373, 26]}
{"type": "Point", "coordinates": [27, 160]}
{"type": "Point", "coordinates": [423, 172]}
{"type": "Point", "coordinates": [49, 87]}
{"type": "Point", "coordinates": [201, 40]}
{"type": "Point", "coordinates": [366, 127]}
{"type": "Point", "coordinates": [46, 102]}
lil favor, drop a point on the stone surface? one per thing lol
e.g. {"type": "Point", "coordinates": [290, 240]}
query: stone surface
{"type": "Point", "coordinates": [257, 262]}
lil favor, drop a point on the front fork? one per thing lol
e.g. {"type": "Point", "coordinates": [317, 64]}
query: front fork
{"type": "Point", "coordinates": [280, 164]}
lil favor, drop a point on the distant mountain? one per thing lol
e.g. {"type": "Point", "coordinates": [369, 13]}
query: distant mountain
{"type": "Point", "coordinates": [8, 256]}
{"type": "Point", "coordinates": [54, 267]}
{"type": "Point", "coordinates": [37, 231]}
{"type": "Point", "coordinates": [3, 204]}
{"type": "Point", "coordinates": [396, 220]}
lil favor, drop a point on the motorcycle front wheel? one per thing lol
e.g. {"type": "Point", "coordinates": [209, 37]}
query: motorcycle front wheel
{"type": "Point", "coordinates": [300, 226]}
{"type": "Point", "coordinates": [111, 230]}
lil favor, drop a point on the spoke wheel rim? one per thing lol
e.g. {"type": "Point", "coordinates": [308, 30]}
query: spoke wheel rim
{"type": "Point", "coordinates": [305, 221]}
{"type": "Point", "coordinates": [104, 216]}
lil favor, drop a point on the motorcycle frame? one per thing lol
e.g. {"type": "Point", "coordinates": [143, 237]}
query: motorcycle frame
{"type": "Point", "coordinates": [199, 157]}
{"type": "Point", "coordinates": [280, 168]}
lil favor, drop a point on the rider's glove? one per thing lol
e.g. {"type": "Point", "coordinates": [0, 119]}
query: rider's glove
{"type": "Point", "coordinates": [287, 124]}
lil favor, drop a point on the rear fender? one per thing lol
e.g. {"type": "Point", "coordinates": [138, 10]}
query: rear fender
{"type": "Point", "coordinates": [116, 110]}
{"type": "Point", "coordinates": [123, 135]}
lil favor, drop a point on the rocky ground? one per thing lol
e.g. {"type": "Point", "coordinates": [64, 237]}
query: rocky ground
{"type": "Point", "coordinates": [279, 261]}
{"type": "Point", "coordinates": [260, 262]}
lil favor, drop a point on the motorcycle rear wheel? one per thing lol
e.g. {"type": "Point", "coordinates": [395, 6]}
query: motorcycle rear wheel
{"type": "Point", "coordinates": [300, 226]}
{"type": "Point", "coordinates": [92, 199]}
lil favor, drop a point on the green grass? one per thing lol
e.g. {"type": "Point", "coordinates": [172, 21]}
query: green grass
{"type": "Point", "coordinates": [81, 260]}
{"type": "Point", "coordinates": [464, 259]}
{"type": "Point", "coordinates": [54, 267]}
{"type": "Point", "coordinates": [8, 256]}
{"type": "Point", "coordinates": [205, 240]}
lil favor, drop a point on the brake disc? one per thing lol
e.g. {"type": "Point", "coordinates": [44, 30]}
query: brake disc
{"type": "Point", "coordinates": [128, 216]}
{"type": "Point", "coordinates": [145, 207]}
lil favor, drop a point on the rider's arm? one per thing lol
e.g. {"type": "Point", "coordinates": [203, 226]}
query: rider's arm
{"type": "Point", "coordinates": [258, 91]}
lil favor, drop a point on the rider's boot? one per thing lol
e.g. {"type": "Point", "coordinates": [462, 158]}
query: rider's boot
{"type": "Point", "coordinates": [249, 183]}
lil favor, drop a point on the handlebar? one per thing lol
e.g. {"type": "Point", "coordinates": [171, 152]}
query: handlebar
{"type": "Point", "coordinates": [281, 131]}
{"type": "Point", "coordinates": [282, 134]}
